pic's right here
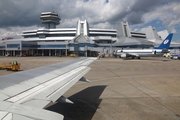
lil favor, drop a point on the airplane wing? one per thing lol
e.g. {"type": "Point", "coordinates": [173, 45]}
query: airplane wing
{"type": "Point", "coordinates": [23, 95]}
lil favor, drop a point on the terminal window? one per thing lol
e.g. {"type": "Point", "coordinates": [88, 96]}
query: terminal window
{"type": "Point", "coordinates": [13, 45]}
{"type": "Point", "coordinates": [82, 29]}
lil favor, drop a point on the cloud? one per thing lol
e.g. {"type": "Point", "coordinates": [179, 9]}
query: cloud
{"type": "Point", "coordinates": [23, 14]}
{"type": "Point", "coordinates": [168, 14]}
{"type": "Point", "coordinates": [27, 13]}
{"type": "Point", "coordinates": [103, 25]}
{"type": "Point", "coordinates": [15, 32]}
{"type": "Point", "coordinates": [18, 13]}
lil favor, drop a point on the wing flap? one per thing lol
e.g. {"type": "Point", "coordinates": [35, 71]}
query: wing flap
{"type": "Point", "coordinates": [13, 90]}
{"type": "Point", "coordinates": [59, 92]}
{"type": "Point", "coordinates": [26, 93]}
{"type": "Point", "coordinates": [3, 115]}
{"type": "Point", "coordinates": [21, 117]}
{"type": "Point", "coordinates": [44, 78]}
{"type": "Point", "coordinates": [11, 79]}
{"type": "Point", "coordinates": [3, 96]}
{"type": "Point", "coordinates": [87, 62]}
{"type": "Point", "coordinates": [8, 116]}
{"type": "Point", "coordinates": [38, 103]}
{"type": "Point", "coordinates": [29, 112]}
{"type": "Point", "coordinates": [28, 84]}
{"type": "Point", "coordinates": [51, 90]}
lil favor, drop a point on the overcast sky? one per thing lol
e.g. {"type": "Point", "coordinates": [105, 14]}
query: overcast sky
{"type": "Point", "coordinates": [20, 15]}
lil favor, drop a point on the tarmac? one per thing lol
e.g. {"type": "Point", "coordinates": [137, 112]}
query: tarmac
{"type": "Point", "coordinates": [145, 89]}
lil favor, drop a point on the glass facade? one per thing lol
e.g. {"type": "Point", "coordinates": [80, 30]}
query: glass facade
{"type": "Point", "coordinates": [76, 48]}
{"type": "Point", "coordinates": [96, 35]}
{"type": "Point", "coordinates": [61, 35]}
{"type": "Point", "coordinates": [85, 44]}
{"type": "Point", "coordinates": [82, 45]}
{"type": "Point", "coordinates": [125, 30]}
{"type": "Point", "coordinates": [29, 46]}
{"type": "Point", "coordinates": [31, 36]}
{"type": "Point", "coordinates": [71, 45]}
{"type": "Point", "coordinates": [2, 46]}
{"type": "Point", "coordinates": [82, 29]}
{"type": "Point", "coordinates": [81, 53]}
{"type": "Point", "coordinates": [43, 46]}
{"type": "Point", "coordinates": [51, 46]}
{"type": "Point", "coordinates": [13, 46]}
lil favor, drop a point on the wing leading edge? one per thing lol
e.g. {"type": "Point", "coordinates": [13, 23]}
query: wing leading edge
{"type": "Point", "coordinates": [27, 92]}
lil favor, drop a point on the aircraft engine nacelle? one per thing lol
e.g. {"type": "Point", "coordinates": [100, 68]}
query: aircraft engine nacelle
{"type": "Point", "coordinates": [123, 55]}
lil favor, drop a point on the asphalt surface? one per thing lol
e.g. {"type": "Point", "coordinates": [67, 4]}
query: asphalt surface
{"type": "Point", "coordinates": [145, 89]}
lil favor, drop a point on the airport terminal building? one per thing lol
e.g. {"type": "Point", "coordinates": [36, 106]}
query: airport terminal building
{"type": "Point", "coordinates": [82, 40]}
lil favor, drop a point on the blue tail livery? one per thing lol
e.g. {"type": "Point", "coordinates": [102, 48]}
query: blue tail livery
{"type": "Point", "coordinates": [166, 43]}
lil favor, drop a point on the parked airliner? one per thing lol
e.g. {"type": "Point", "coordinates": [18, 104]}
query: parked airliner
{"type": "Point", "coordinates": [137, 53]}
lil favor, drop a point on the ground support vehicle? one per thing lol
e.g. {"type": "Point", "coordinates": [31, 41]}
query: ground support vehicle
{"type": "Point", "coordinates": [14, 66]}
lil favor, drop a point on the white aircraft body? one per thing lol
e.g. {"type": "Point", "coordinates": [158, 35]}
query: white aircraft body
{"type": "Point", "coordinates": [137, 53]}
{"type": "Point", "coordinates": [23, 95]}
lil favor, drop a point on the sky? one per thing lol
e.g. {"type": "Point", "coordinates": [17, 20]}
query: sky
{"type": "Point", "coordinates": [21, 15]}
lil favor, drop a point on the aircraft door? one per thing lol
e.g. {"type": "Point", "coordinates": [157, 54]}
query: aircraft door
{"type": "Point", "coordinates": [154, 52]}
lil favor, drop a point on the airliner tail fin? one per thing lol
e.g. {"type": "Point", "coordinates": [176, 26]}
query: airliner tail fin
{"type": "Point", "coordinates": [166, 43]}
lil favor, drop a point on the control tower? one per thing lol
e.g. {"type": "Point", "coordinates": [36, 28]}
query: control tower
{"type": "Point", "coordinates": [50, 19]}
